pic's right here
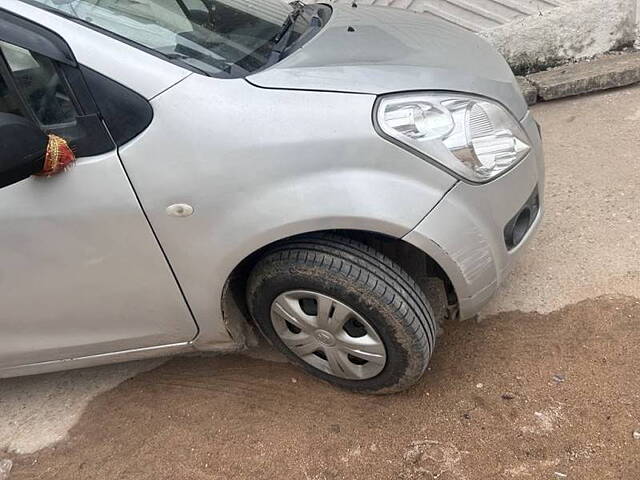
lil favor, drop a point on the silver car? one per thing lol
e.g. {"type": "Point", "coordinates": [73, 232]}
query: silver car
{"type": "Point", "coordinates": [342, 177]}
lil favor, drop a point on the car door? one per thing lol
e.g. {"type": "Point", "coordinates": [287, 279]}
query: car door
{"type": "Point", "coordinates": [81, 272]}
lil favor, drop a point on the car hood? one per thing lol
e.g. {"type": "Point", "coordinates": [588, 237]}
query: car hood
{"type": "Point", "coordinates": [377, 50]}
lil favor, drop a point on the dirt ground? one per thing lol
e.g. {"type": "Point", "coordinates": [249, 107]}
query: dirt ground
{"type": "Point", "coordinates": [514, 396]}
{"type": "Point", "coordinates": [546, 385]}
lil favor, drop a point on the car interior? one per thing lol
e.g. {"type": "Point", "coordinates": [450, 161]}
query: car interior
{"type": "Point", "coordinates": [40, 85]}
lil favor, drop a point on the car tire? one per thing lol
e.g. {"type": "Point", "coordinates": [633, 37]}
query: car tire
{"type": "Point", "coordinates": [348, 298]}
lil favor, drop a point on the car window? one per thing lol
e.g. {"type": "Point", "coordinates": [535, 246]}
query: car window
{"type": "Point", "coordinates": [226, 38]}
{"type": "Point", "coordinates": [39, 84]}
{"type": "Point", "coordinates": [9, 103]}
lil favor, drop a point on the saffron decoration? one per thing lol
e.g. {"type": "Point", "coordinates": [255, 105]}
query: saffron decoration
{"type": "Point", "coordinates": [58, 158]}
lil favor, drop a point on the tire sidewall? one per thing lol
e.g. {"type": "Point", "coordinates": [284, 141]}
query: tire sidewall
{"type": "Point", "coordinates": [394, 333]}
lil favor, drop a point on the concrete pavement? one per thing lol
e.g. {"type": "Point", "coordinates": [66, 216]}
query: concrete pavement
{"type": "Point", "coordinates": [39, 411]}
{"type": "Point", "coordinates": [589, 243]}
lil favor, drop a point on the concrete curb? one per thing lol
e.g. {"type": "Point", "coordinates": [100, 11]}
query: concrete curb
{"type": "Point", "coordinates": [578, 30]}
{"type": "Point", "coordinates": [608, 71]}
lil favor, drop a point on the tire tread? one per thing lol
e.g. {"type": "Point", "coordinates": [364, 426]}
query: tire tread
{"type": "Point", "coordinates": [366, 266]}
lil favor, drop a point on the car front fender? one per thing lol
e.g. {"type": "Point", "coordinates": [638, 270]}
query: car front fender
{"type": "Point", "coordinates": [260, 165]}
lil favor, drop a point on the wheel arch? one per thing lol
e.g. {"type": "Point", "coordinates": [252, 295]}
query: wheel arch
{"type": "Point", "coordinates": [416, 262]}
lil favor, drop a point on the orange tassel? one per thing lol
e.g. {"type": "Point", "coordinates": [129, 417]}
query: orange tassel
{"type": "Point", "coordinates": [59, 156]}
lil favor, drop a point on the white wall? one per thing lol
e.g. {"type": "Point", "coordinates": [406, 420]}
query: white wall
{"type": "Point", "coordinates": [577, 30]}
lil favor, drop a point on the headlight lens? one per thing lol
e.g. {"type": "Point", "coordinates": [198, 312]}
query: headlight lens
{"type": "Point", "coordinates": [474, 137]}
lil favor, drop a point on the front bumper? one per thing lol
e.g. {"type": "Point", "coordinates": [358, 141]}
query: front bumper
{"type": "Point", "coordinates": [465, 232]}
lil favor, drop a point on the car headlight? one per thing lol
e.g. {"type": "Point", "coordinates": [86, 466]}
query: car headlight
{"type": "Point", "coordinates": [473, 137]}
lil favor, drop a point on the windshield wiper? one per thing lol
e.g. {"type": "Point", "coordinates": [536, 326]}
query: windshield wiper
{"type": "Point", "coordinates": [281, 40]}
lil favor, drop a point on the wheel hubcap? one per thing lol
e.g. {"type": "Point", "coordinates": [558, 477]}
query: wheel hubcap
{"type": "Point", "coordinates": [328, 335]}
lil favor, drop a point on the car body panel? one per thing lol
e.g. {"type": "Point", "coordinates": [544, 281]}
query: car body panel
{"type": "Point", "coordinates": [138, 70]}
{"type": "Point", "coordinates": [464, 233]}
{"type": "Point", "coordinates": [307, 161]}
{"type": "Point", "coordinates": [395, 51]}
{"type": "Point", "coordinates": [82, 273]}
{"type": "Point", "coordinates": [96, 360]}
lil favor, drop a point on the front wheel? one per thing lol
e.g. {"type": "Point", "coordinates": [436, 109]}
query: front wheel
{"type": "Point", "coordinates": [344, 312]}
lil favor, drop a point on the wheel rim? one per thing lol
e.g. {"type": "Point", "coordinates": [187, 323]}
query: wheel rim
{"type": "Point", "coordinates": [328, 335]}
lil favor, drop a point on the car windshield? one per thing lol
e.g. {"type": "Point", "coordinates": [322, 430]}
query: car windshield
{"type": "Point", "coordinates": [226, 38]}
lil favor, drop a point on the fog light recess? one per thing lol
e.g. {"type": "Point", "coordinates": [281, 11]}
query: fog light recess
{"type": "Point", "coordinates": [517, 228]}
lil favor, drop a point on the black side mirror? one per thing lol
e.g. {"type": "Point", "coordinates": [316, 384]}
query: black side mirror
{"type": "Point", "coordinates": [23, 147]}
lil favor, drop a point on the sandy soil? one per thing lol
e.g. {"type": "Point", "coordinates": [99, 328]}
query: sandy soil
{"type": "Point", "coordinates": [519, 395]}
